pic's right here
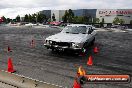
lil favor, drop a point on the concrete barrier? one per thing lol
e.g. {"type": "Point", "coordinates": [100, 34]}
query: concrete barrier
{"type": "Point", "coordinates": [24, 82]}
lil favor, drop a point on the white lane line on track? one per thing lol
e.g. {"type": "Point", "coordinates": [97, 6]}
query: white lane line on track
{"type": "Point", "coordinates": [6, 85]}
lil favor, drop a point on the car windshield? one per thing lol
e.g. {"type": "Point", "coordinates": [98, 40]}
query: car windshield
{"type": "Point", "coordinates": [75, 29]}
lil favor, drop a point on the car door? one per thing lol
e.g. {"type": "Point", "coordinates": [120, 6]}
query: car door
{"type": "Point", "coordinates": [90, 34]}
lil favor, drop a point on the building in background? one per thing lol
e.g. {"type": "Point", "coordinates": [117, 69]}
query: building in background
{"type": "Point", "coordinates": [79, 12]}
{"type": "Point", "coordinates": [85, 12]}
{"type": "Point", "coordinates": [58, 14]}
{"type": "Point", "coordinates": [109, 15]}
{"type": "Point", "coordinates": [46, 12]}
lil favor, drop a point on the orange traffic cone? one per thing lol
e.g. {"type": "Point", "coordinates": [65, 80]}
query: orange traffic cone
{"type": "Point", "coordinates": [76, 84]}
{"type": "Point", "coordinates": [96, 50]}
{"type": "Point", "coordinates": [10, 66]}
{"type": "Point", "coordinates": [90, 61]}
{"type": "Point", "coordinates": [32, 43]}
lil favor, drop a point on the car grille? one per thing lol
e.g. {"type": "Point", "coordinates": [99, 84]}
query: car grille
{"type": "Point", "coordinates": [61, 43]}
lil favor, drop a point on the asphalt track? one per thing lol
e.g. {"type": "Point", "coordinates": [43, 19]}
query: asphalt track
{"type": "Point", "coordinates": [60, 68]}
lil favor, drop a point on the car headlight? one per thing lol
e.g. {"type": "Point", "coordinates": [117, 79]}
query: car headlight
{"type": "Point", "coordinates": [76, 45]}
{"type": "Point", "coordinates": [48, 41]}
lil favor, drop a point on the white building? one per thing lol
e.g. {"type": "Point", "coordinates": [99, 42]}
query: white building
{"type": "Point", "coordinates": [58, 14]}
{"type": "Point", "coordinates": [110, 14]}
{"type": "Point", "coordinates": [79, 12]}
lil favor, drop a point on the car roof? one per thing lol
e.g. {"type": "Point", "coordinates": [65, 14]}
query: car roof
{"type": "Point", "coordinates": [80, 25]}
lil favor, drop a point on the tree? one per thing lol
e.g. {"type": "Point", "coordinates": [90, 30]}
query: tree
{"type": "Point", "coordinates": [30, 18]}
{"type": "Point", "coordinates": [70, 16]}
{"type": "Point", "coordinates": [122, 21]}
{"type": "Point", "coordinates": [49, 20]}
{"type": "Point", "coordinates": [65, 17]}
{"type": "Point", "coordinates": [78, 19]}
{"type": "Point", "coordinates": [116, 20]}
{"type": "Point", "coordinates": [96, 20]}
{"type": "Point", "coordinates": [102, 21]}
{"type": "Point", "coordinates": [18, 18]}
{"type": "Point", "coordinates": [53, 17]}
{"type": "Point", "coordinates": [26, 18]}
{"type": "Point", "coordinates": [34, 18]}
{"type": "Point", "coordinates": [89, 19]}
{"type": "Point", "coordinates": [130, 21]}
{"type": "Point", "coordinates": [81, 19]}
{"type": "Point", "coordinates": [8, 20]}
{"type": "Point", "coordinates": [85, 19]}
{"type": "Point", "coordinates": [41, 18]}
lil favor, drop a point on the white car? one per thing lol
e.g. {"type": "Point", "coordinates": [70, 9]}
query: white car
{"type": "Point", "coordinates": [30, 24]}
{"type": "Point", "coordinates": [73, 37]}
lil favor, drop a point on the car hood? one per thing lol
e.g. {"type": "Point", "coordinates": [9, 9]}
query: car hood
{"type": "Point", "coordinates": [67, 37]}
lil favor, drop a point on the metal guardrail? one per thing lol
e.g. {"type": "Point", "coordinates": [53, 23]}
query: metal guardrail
{"type": "Point", "coordinates": [19, 81]}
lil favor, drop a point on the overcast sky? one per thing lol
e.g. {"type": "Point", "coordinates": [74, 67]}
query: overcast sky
{"type": "Point", "coordinates": [12, 8]}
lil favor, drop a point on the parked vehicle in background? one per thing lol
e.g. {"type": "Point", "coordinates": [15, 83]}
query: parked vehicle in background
{"type": "Point", "coordinates": [73, 37]}
{"type": "Point", "coordinates": [1, 19]}
{"type": "Point", "coordinates": [30, 24]}
{"type": "Point", "coordinates": [119, 27]}
{"type": "Point", "coordinates": [55, 23]}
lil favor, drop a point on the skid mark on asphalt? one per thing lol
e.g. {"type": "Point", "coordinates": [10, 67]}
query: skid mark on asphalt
{"type": "Point", "coordinates": [124, 62]}
{"type": "Point", "coordinates": [115, 69]}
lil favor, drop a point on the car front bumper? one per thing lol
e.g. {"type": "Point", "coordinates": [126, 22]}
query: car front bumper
{"type": "Point", "coordinates": [61, 47]}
